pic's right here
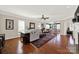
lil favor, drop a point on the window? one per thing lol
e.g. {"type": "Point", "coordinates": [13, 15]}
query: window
{"type": "Point", "coordinates": [58, 26]}
{"type": "Point", "coordinates": [21, 26]}
{"type": "Point", "coordinates": [47, 26]}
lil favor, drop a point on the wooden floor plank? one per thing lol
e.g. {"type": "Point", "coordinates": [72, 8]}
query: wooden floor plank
{"type": "Point", "coordinates": [57, 45]}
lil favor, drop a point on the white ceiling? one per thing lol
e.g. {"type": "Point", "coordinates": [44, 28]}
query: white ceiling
{"type": "Point", "coordinates": [56, 12]}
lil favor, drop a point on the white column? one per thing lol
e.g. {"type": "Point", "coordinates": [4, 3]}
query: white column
{"type": "Point", "coordinates": [75, 32]}
{"type": "Point", "coordinates": [63, 27]}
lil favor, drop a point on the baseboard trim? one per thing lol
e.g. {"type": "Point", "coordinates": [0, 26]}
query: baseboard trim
{"type": "Point", "coordinates": [12, 38]}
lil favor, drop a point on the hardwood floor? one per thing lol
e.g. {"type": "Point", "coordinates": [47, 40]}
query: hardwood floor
{"type": "Point", "coordinates": [57, 45]}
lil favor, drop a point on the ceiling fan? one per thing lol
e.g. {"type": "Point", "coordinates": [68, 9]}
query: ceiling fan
{"type": "Point", "coordinates": [43, 17]}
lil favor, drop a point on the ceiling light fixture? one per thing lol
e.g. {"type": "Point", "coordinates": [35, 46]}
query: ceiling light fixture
{"type": "Point", "coordinates": [43, 17]}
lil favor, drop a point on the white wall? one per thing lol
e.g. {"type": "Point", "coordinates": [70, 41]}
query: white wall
{"type": "Point", "coordinates": [63, 27]}
{"type": "Point", "coordinates": [36, 21]}
{"type": "Point", "coordinates": [8, 33]}
{"type": "Point", "coordinates": [65, 24]}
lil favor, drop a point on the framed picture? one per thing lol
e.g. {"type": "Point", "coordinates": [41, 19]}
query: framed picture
{"type": "Point", "coordinates": [9, 24]}
{"type": "Point", "coordinates": [31, 25]}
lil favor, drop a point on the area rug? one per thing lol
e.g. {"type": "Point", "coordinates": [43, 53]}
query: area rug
{"type": "Point", "coordinates": [41, 41]}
